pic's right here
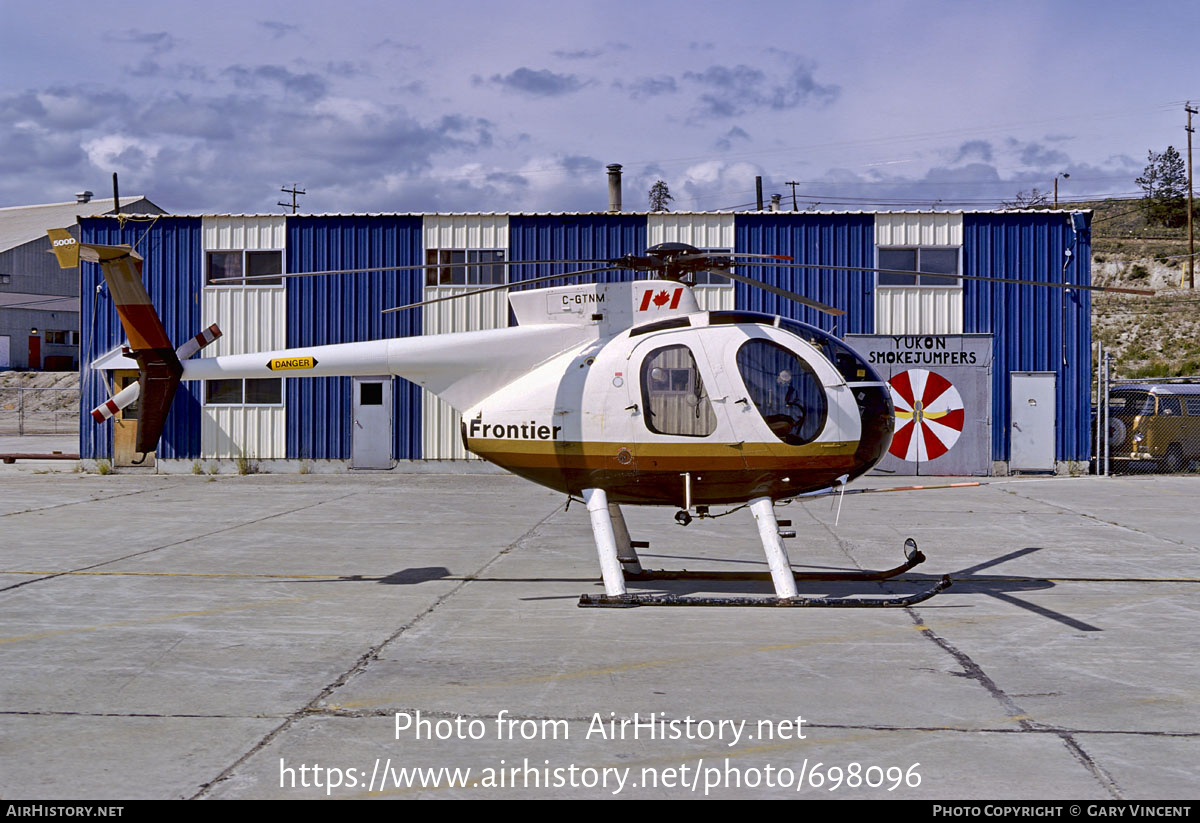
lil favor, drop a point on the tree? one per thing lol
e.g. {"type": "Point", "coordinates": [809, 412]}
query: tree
{"type": "Point", "coordinates": [1164, 180]}
{"type": "Point", "coordinates": [660, 195]}
{"type": "Point", "coordinates": [1033, 199]}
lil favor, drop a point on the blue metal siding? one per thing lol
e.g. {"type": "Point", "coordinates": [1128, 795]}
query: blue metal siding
{"type": "Point", "coordinates": [173, 275]}
{"type": "Point", "coordinates": [574, 237]}
{"type": "Point", "coordinates": [347, 309]}
{"type": "Point", "coordinates": [830, 239]}
{"type": "Point", "coordinates": [1036, 328]}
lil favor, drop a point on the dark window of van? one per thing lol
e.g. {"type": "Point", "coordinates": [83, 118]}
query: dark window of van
{"type": "Point", "coordinates": [1170, 406]}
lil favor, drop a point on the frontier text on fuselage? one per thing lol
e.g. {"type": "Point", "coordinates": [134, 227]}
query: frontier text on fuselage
{"type": "Point", "coordinates": [514, 431]}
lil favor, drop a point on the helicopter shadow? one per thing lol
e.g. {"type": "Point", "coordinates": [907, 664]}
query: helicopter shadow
{"type": "Point", "coordinates": [1005, 588]}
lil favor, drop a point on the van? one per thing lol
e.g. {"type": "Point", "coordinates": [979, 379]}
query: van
{"type": "Point", "coordinates": [1155, 422]}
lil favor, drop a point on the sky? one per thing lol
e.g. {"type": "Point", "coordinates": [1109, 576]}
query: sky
{"type": "Point", "coordinates": [508, 106]}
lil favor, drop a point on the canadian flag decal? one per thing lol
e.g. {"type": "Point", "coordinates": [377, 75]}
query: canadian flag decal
{"type": "Point", "coordinates": [660, 298]}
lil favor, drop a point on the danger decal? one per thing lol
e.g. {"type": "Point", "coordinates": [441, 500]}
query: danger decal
{"type": "Point", "coordinates": [289, 363]}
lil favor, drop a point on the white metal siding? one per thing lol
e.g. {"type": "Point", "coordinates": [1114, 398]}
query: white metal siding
{"type": "Point", "coordinates": [221, 233]}
{"type": "Point", "coordinates": [465, 231]}
{"type": "Point", "coordinates": [440, 439]}
{"type": "Point", "coordinates": [935, 229]}
{"type": "Point", "coordinates": [704, 231]}
{"type": "Point", "coordinates": [715, 298]}
{"type": "Point", "coordinates": [918, 310]}
{"type": "Point", "coordinates": [253, 432]}
{"type": "Point", "coordinates": [251, 319]}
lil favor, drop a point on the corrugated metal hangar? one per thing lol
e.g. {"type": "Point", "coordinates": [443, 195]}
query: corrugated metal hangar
{"type": "Point", "coordinates": [1014, 359]}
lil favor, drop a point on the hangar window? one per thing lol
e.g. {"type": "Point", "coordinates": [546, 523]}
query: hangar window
{"type": "Point", "coordinates": [928, 264]}
{"type": "Point", "coordinates": [486, 267]}
{"type": "Point", "coordinates": [266, 391]}
{"type": "Point", "coordinates": [244, 263]}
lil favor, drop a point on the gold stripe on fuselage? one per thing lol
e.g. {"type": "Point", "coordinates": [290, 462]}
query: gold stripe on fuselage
{"type": "Point", "coordinates": [659, 456]}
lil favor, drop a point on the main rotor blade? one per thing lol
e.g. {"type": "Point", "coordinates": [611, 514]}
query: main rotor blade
{"type": "Point", "coordinates": [1080, 286]}
{"type": "Point", "coordinates": [422, 266]}
{"type": "Point", "coordinates": [503, 286]}
{"type": "Point", "coordinates": [790, 295]}
{"type": "Point", "coordinates": [727, 255]}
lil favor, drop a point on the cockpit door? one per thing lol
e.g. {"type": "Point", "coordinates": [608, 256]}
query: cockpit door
{"type": "Point", "coordinates": [683, 405]}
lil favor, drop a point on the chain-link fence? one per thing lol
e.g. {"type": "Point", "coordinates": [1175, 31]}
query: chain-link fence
{"type": "Point", "coordinates": [1150, 427]}
{"type": "Point", "coordinates": [33, 410]}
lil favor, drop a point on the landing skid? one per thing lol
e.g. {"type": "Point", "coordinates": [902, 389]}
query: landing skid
{"type": "Point", "coordinates": [913, 558]}
{"type": "Point", "coordinates": [631, 601]}
{"type": "Point", "coordinates": [619, 562]}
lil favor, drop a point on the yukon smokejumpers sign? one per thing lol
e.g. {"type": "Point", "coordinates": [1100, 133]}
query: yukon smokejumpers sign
{"type": "Point", "coordinates": [941, 387]}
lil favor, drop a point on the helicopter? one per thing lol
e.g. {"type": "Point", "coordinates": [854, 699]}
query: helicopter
{"type": "Point", "coordinates": [620, 393]}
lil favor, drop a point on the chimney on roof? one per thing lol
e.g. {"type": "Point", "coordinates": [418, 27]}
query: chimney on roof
{"type": "Point", "coordinates": [614, 187]}
{"type": "Point", "coordinates": [83, 197]}
{"type": "Point", "coordinates": [776, 202]}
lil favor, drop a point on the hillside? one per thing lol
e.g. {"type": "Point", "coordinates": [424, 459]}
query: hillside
{"type": "Point", "coordinates": [1149, 336]}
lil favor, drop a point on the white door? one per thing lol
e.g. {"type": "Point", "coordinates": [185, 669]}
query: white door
{"type": "Point", "coordinates": [1033, 428]}
{"type": "Point", "coordinates": [371, 437]}
{"type": "Point", "coordinates": [4, 361]}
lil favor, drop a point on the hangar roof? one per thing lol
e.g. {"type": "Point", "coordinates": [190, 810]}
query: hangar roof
{"type": "Point", "coordinates": [624, 213]}
{"type": "Point", "coordinates": [20, 224]}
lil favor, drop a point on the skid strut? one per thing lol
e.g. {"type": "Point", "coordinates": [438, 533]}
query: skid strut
{"type": "Point", "coordinates": [619, 562]}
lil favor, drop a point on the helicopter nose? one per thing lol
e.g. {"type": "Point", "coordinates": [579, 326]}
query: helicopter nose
{"type": "Point", "coordinates": [878, 423]}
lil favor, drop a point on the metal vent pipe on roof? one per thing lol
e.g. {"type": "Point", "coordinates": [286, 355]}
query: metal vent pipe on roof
{"type": "Point", "coordinates": [614, 187]}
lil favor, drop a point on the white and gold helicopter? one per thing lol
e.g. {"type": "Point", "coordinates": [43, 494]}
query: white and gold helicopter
{"type": "Point", "coordinates": [618, 393]}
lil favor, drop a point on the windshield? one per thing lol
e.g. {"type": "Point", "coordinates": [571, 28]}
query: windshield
{"type": "Point", "coordinates": [1130, 403]}
{"type": "Point", "coordinates": [852, 367]}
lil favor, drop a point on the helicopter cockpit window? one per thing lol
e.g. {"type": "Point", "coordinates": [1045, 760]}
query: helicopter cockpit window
{"type": "Point", "coordinates": [673, 394]}
{"type": "Point", "coordinates": [851, 366]}
{"type": "Point", "coordinates": [785, 390]}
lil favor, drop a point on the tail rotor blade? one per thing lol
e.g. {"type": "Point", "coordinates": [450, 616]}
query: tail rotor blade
{"type": "Point", "coordinates": [117, 402]}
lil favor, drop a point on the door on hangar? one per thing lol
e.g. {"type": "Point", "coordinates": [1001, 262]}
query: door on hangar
{"type": "Point", "coordinates": [1034, 418]}
{"type": "Point", "coordinates": [125, 424]}
{"type": "Point", "coordinates": [371, 432]}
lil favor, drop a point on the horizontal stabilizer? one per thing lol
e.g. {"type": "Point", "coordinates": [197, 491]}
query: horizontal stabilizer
{"type": "Point", "coordinates": [65, 248]}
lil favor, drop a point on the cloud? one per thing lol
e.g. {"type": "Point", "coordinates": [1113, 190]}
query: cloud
{"type": "Point", "coordinates": [580, 54]}
{"type": "Point", "coordinates": [974, 150]}
{"type": "Point", "coordinates": [645, 87]}
{"type": "Point", "coordinates": [278, 29]}
{"type": "Point", "coordinates": [230, 149]}
{"type": "Point", "coordinates": [725, 142]}
{"type": "Point", "coordinates": [308, 86]}
{"type": "Point", "coordinates": [737, 90]}
{"type": "Point", "coordinates": [537, 83]}
{"type": "Point", "coordinates": [590, 54]}
{"type": "Point", "coordinates": [159, 42]}
{"type": "Point", "coordinates": [1037, 155]}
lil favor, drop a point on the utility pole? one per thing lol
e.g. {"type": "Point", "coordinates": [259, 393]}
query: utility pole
{"type": "Point", "coordinates": [1191, 266]}
{"type": "Point", "coordinates": [293, 191]}
{"type": "Point", "coordinates": [793, 184]}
